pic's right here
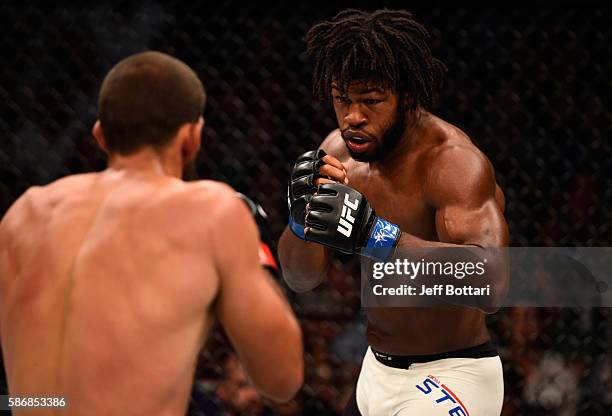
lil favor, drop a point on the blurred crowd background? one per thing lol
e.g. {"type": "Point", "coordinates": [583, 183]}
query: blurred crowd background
{"type": "Point", "coordinates": [531, 86]}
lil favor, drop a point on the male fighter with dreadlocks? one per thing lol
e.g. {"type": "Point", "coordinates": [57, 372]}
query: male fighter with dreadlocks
{"type": "Point", "coordinates": [431, 188]}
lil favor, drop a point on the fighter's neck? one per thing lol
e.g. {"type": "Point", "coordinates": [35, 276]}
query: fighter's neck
{"type": "Point", "coordinates": [147, 161]}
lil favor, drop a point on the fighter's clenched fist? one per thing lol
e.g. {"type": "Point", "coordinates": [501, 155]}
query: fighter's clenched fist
{"type": "Point", "coordinates": [310, 170]}
{"type": "Point", "coordinates": [341, 218]}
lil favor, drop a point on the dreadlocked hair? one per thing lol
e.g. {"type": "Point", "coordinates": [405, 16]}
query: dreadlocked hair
{"type": "Point", "coordinates": [386, 47]}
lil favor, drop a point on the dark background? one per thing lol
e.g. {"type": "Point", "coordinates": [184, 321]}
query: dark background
{"type": "Point", "coordinates": [531, 86]}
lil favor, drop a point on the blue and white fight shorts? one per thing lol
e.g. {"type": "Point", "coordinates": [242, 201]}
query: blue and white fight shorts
{"type": "Point", "coordinates": [441, 384]}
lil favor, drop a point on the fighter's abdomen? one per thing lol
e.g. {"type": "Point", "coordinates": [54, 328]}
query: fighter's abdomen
{"type": "Point", "coordinates": [422, 331]}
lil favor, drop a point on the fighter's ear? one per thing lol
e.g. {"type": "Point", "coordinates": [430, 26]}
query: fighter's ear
{"type": "Point", "coordinates": [99, 136]}
{"type": "Point", "coordinates": [199, 126]}
{"type": "Point", "coordinates": [191, 145]}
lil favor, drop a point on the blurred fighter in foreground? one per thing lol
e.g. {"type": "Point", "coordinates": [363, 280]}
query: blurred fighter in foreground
{"type": "Point", "coordinates": [430, 187]}
{"type": "Point", "coordinates": [110, 281]}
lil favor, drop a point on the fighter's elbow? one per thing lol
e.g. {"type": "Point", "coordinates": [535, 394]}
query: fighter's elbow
{"type": "Point", "coordinates": [301, 282]}
{"type": "Point", "coordinates": [489, 310]}
{"type": "Point", "coordinates": [293, 383]}
{"type": "Point", "coordinates": [301, 286]}
{"type": "Point", "coordinates": [304, 265]}
{"type": "Point", "coordinates": [497, 282]}
{"type": "Point", "coordinates": [497, 294]}
{"type": "Point", "coordinates": [286, 389]}
{"type": "Point", "coordinates": [286, 374]}
{"type": "Point", "coordinates": [284, 386]}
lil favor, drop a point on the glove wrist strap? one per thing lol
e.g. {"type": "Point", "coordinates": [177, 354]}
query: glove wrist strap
{"type": "Point", "coordinates": [382, 240]}
{"type": "Point", "coordinates": [297, 229]}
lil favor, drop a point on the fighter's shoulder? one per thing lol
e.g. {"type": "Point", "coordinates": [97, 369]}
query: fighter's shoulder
{"type": "Point", "coordinates": [452, 149]}
{"type": "Point", "coordinates": [218, 199]}
{"type": "Point", "coordinates": [58, 191]}
{"type": "Point", "coordinates": [41, 199]}
{"type": "Point", "coordinates": [334, 145]}
{"type": "Point", "coordinates": [67, 184]}
{"type": "Point", "coordinates": [206, 190]}
{"type": "Point", "coordinates": [454, 164]}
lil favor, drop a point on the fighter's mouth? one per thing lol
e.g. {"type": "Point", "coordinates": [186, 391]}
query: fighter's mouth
{"type": "Point", "coordinates": [357, 143]}
{"type": "Point", "coordinates": [356, 137]}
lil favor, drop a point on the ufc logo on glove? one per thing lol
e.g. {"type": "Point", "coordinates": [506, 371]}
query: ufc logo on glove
{"type": "Point", "coordinates": [340, 217]}
{"type": "Point", "coordinates": [345, 225]}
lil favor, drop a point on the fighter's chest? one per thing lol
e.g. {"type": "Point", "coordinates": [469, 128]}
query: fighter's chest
{"type": "Point", "coordinates": [397, 196]}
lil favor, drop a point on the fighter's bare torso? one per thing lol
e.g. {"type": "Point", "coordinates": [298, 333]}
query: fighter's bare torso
{"type": "Point", "coordinates": [108, 291]}
{"type": "Point", "coordinates": [395, 190]}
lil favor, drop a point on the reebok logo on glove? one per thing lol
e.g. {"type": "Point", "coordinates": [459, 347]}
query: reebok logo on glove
{"type": "Point", "coordinates": [345, 224]}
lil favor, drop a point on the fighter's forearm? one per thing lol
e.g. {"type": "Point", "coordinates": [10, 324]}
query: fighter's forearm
{"type": "Point", "coordinates": [304, 264]}
{"type": "Point", "coordinates": [286, 355]}
{"type": "Point", "coordinates": [408, 241]}
{"type": "Point", "coordinates": [491, 264]}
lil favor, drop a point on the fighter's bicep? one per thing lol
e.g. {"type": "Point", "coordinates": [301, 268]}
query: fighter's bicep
{"type": "Point", "coordinates": [3, 271]}
{"type": "Point", "coordinates": [236, 255]}
{"type": "Point", "coordinates": [248, 304]}
{"type": "Point", "coordinates": [500, 198]}
{"type": "Point", "coordinates": [482, 226]}
{"type": "Point", "coordinates": [466, 198]}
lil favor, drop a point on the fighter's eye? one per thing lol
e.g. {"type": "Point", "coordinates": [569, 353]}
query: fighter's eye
{"type": "Point", "coordinates": [371, 101]}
